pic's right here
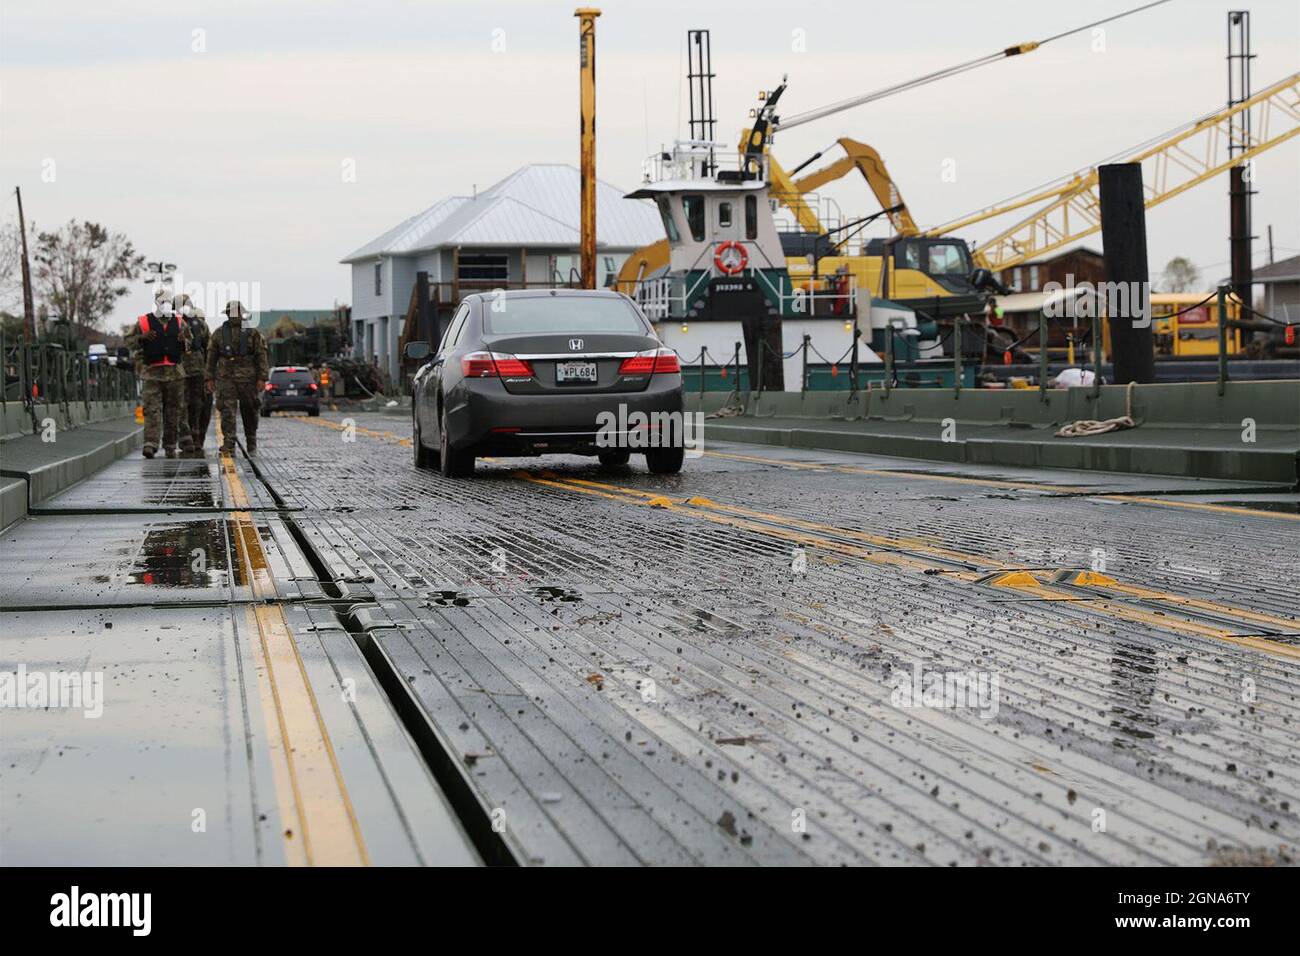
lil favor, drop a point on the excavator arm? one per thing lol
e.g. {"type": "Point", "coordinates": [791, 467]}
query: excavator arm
{"type": "Point", "coordinates": [867, 161]}
{"type": "Point", "coordinates": [790, 192]}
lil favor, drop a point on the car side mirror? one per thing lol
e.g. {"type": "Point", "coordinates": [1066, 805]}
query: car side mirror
{"type": "Point", "coordinates": [417, 350]}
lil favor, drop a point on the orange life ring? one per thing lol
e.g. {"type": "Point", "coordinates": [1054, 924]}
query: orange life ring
{"type": "Point", "coordinates": [730, 262]}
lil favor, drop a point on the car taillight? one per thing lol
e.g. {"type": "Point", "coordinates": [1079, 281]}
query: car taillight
{"type": "Point", "coordinates": [509, 366]}
{"type": "Point", "coordinates": [651, 362]}
{"type": "Point", "coordinates": [312, 386]}
{"type": "Point", "coordinates": [493, 365]}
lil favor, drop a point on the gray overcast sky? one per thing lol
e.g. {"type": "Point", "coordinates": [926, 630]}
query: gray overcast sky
{"type": "Point", "coordinates": [229, 161]}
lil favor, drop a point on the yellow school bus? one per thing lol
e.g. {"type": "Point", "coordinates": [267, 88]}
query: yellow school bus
{"type": "Point", "coordinates": [1196, 330]}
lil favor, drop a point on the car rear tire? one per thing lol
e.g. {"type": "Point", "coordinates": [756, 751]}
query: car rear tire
{"type": "Point", "coordinates": [665, 461]}
{"type": "Point", "coordinates": [614, 457]}
{"type": "Point", "coordinates": [451, 462]}
{"type": "Point", "coordinates": [266, 412]}
{"type": "Point", "coordinates": [423, 457]}
{"type": "Point", "coordinates": [314, 412]}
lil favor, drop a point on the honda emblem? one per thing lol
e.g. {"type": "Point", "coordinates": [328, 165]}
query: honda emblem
{"type": "Point", "coordinates": [575, 344]}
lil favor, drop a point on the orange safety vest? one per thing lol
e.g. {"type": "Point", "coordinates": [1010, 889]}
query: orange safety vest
{"type": "Point", "coordinates": [165, 346]}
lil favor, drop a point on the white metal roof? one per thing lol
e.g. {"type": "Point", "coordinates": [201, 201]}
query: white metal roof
{"type": "Point", "coordinates": [535, 207]}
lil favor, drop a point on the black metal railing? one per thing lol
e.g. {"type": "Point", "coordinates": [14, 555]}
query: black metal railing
{"type": "Point", "coordinates": [47, 373]}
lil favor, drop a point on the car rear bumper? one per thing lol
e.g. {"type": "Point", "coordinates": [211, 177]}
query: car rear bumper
{"type": "Point", "coordinates": [491, 421]}
{"type": "Point", "coordinates": [296, 403]}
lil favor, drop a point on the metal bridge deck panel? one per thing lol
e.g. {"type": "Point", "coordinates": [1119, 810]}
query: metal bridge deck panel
{"type": "Point", "coordinates": [530, 614]}
{"type": "Point", "coordinates": [87, 560]}
{"type": "Point", "coordinates": [159, 484]}
{"type": "Point", "coordinates": [177, 736]}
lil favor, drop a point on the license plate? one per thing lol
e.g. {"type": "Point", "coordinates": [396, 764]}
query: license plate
{"type": "Point", "coordinates": [575, 372]}
{"type": "Point", "coordinates": [290, 391]}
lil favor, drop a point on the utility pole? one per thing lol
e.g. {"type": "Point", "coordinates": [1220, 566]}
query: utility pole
{"type": "Point", "coordinates": [587, 133]}
{"type": "Point", "coordinates": [29, 310]}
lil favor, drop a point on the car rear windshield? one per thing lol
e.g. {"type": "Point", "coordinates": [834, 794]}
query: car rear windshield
{"type": "Point", "coordinates": [561, 313]}
{"type": "Point", "coordinates": [296, 377]}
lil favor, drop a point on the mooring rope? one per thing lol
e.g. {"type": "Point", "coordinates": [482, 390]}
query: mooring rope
{"type": "Point", "coordinates": [1087, 427]}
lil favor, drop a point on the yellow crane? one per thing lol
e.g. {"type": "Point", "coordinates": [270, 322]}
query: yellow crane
{"type": "Point", "coordinates": [1070, 209]}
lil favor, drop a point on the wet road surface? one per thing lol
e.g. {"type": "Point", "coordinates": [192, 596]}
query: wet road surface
{"type": "Point", "coordinates": [775, 657]}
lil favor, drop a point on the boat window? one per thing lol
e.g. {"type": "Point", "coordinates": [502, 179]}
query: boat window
{"type": "Point", "coordinates": [724, 215]}
{"type": "Point", "coordinates": [666, 213]}
{"type": "Point", "coordinates": [693, 206]}
{"type": "Point", "coordinates": [751, 217]}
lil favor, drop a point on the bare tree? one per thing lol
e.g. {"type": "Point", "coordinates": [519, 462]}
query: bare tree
{"type": "Point", "coordinates": [11, 267]}
{"type": "Point", "coordinates": [1180, 275]}
{"type": "Point", "coordinates": [81, 270]}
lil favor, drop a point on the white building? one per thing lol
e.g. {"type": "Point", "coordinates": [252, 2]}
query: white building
{"type": "Point", "coordinates": [521, 232]}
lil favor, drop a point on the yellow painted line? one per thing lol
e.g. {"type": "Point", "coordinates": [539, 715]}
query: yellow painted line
{"type": "Point", "coordinates": [1089, 579]}
{"type": "Point", "coordinates": [320, 825]}
{"type": "Point", "coordinates": [797, 537]}
{"type": "Point", "coordinates": [338, 426]}
{"type": "Point", "coordinates": [892, 473]}
{"type": "Point", "coordinates": [1014, 579]}
{"type": "Point", "coordinates": [1202, 506]}
{"type": "Point", "coordinates": [1025, 583]}
{"type": "Point", "coordinates": [736, 456]}
{"type": "Point", "coordinates": [880, 541]}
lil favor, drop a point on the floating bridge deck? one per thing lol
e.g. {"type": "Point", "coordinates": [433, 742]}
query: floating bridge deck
{"type": "Point", "coordinates": [339, 659]}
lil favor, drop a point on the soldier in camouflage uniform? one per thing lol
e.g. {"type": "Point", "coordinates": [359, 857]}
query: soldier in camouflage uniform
{"type": "Point", "coordinates": [159, 342]}
{"type": "Point", "coordinates": [198, 401]}
{"type": "Point", "coordinates": [237, 371]}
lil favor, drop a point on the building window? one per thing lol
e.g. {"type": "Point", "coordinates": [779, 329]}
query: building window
{"type": "Point", "coordinates": [1015, 279]}
{"type": "Point", "coordinates": [751, 217]}
{"type": "Point", "coordinates": [724, 215]}
{"type": "Point", "coordinates": [693, 206]}
{"type": "Point", "coordinates": [1033, 277]}
{"type": "Point", "coordinates": [483, 267]}
{"type": "Point", "coordinates": [379, 278]}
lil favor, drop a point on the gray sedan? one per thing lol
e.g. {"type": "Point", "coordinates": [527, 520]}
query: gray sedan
{"type": "Point", "coordinates": [547, 372]}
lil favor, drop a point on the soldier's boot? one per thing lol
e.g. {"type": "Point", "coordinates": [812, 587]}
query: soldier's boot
{"type": "Point", "coordinates": [251, 443]}
{"type": "Point", "coordinates": [227, 449]}
{"type": "Point", "coordinates": [171, 452]}
{"type": "Point", "coordinates": [148, 451]}
{"type": "Point", "coordinates": [187, 446]}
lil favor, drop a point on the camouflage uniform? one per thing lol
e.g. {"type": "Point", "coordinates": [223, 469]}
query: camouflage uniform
{"type": "Point", "coordinates": [162, 395]}
{"type": "Point", "coordinates": [237, 362]}
{"type": "Point", "coordinates": [198, 403]}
